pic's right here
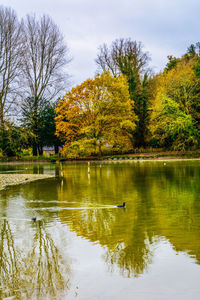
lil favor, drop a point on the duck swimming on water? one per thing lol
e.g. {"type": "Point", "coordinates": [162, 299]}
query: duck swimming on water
{"type": "Point", "coordinates": [124, 204]}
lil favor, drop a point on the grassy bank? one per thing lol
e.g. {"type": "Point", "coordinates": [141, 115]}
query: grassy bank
{"type": "Point", "coordinates": [29, 159]}
{"type": "Point", "coordinates": [157, 155]}
{"type": "Point", "coordinates": [139, 155]}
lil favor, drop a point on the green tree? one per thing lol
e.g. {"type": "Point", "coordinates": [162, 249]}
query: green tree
{"type": "Point", "coordinates": [191, 50]}
{"type": "Point", "coordinates": [127, 57]}
{"type": "Point", "coordinates": [38, 115]}
{"type": "Point", "coordinates": [48, 128]}
{"type": "Point", "coordinates": [177, 87]}
{"type": "Point", "coordinates": [172, 63]}
{"type": "Point", "coordinates": [13, 139]}
{"type": "Point", "coordinates": [32, 110]}
{"type": "Point", "coordinates": [172, 128]}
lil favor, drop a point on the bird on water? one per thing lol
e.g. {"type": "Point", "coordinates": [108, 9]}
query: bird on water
{"type": "Point", "coordinates": [124, 204]}
{"type": "Point", "coordinates": [33, 219]}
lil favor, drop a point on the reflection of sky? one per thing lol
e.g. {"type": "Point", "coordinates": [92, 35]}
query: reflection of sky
{"type": "Point", "coordinates": [165, 27]}
{"type": "Point", "coordinates": [169, 274]}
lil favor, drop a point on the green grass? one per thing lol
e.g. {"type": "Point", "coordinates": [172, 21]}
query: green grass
{"type": "Point", "coordinates": [29, 158]}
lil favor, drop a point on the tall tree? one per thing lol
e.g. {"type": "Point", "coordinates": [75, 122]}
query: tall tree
{"type": "Point", "coordinates": [175, 116]}
{"type": "Point", "coordinates": [173, 128]}
{"type": "Point", "coordinates": [10, 62]}
{"type": "Point", "coordinates": [48, 128]}
{"type": "Point", "coordinates": [32, 109]}
{"type": "Point", "coordinates": [127, 57]}
{"type": "Point", "coordinates": [95, 114]}
{"type": "Point", "coordinates": [44, 58]}
{"type": "Point", "coordinates": [39, 117]}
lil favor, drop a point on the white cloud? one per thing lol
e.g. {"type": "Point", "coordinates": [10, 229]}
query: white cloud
{"type": "Point", "coordinates": [164, 26]}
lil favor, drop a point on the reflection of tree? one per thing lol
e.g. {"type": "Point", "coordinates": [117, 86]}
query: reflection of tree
{"type": "Point", "coordinates": [125, 234]}
{"type": "Point", "coordinates": [9, 265]}
{"type": "Point", "coordinates": [40, 272]}
{"type": "Point", "coordinates": [40, 196]}
{"type": "Point", "coordinates": [162, 200]}
{"type": "Point", "coordinates": [131, 260]}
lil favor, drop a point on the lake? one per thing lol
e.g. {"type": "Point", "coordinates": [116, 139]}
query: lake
{"type": "Point", "coordinates": [83, 247]}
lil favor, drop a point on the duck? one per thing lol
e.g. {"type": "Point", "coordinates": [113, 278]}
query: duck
{"type": "Point", "coordinates": [120, 206]}
{"type": "Point", "coordinates": [33, 219]}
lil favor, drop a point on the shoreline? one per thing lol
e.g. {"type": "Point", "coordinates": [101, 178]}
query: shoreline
{"type": "Point", "coordinates": [151, 156]}
{"type": "Point", "coordinates": [103, 159]}
{"type": "Point", "coordinates": [7, 180]}
{"type": "Point", "coordinates": [148, 154]}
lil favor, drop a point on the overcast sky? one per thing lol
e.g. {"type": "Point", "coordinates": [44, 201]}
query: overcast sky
{"type": "Point", "coordinates": [165, 27]}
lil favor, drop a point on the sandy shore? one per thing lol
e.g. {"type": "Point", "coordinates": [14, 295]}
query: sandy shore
{"type": "Point", "coordinates": [13, 179]}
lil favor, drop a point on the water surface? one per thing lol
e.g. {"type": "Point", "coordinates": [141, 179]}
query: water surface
{"type": "Point", "coordinates": [83, 247]}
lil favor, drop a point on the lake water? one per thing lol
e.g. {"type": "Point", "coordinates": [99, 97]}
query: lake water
{"type": "Point", "coordinates": [83, 247]}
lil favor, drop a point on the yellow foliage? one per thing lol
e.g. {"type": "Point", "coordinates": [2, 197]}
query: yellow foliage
{"type": "Point", "coordinates": [98, 111]}
{"type": "Point", "coordinates": [174, 111]}
{"type": "Point", "coordinates": [178, 84]}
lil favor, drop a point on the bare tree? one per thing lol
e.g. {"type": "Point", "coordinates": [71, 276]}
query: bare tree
{"type": "Point", "coordinates": [128, 58]}
{"type": "Point", "coordinates": [10, 61]}
{"type": "Point", "coordinates": [44, 58]}
{"type": "Point", "coordinates": [123, 56]}
{"type": "Point", "coordinates": [106, 60]}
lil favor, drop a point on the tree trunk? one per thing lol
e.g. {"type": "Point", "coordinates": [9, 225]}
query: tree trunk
{"type": "Point", "coordinates": [100, 150]}
{"type": "Point", "coordinates": [40, 149]}
{"type": "Point", "coordinates": [56, 149]}
{"type": "Point", "coordinates": [34, 148]}
{"type": "Point", "coordinates": [1, 119]}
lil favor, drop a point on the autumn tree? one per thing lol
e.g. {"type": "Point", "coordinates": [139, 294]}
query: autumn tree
{"type": "Point", "coordinates": [96, 114]}
{"type": "Point", "coordinates": [183, 86]}
{"type": "Point", "coordinates": [128, 58]}
{"type": "Point", "coordinates": [175, 114]}
{"type": "Point", "coordinates": [172, 128]}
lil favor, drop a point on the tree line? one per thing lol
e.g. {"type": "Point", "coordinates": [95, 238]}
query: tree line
{"type": "Point", "coordinates": [33, 57]}
{"type": "Point", "coordinates": [156, 110]}
{"type": "Point", "coordinates": [124, 107]}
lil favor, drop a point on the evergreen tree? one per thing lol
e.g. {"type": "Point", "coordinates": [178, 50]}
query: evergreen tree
{"type": "Point", "coordinates": [127, 57]}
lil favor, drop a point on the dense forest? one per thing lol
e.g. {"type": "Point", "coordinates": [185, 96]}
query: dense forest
{"type": "Point", "coordinates": [125, 106]}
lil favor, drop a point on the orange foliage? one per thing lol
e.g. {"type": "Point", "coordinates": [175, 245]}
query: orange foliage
{"type": "Point", "coordinates": [97, 112]}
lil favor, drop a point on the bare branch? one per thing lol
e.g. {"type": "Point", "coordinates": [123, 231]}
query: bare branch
{"type": "Point", "coordinates": [10, 60]}
{"type": "Point", "coordinates": [44, 58]}
{"type": "Point", "coordinates": [123, 56]}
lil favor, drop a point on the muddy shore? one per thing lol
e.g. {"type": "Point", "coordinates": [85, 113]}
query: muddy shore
{"type": "Point", "coordinates": [14, 179]}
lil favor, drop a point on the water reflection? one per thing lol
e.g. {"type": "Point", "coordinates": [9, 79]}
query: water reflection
{"type": "Point", "coordinates": [162, 201]}
{"type": "Point", "coordinates": [37, 270]}
{"type": "Point", "coordinates": [39, 168]}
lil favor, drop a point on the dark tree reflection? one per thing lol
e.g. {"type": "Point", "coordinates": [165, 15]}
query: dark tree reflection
{"type": "Point", "coordinates": [38, 272]}
{"type": "Point", "coordinates": [10, 268]}
{"type": "Point", "coordinates": [162, 202]}
{"type": "Point", "coordinates": [132, 260]}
